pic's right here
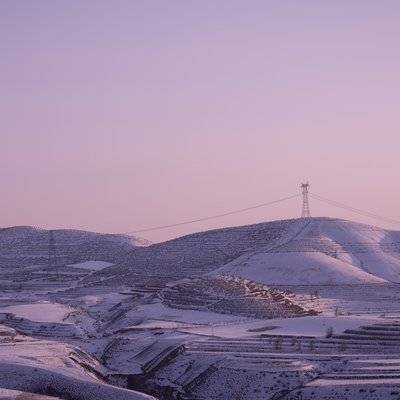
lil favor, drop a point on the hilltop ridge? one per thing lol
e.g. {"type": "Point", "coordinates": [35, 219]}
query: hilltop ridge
{"type": "Point", "coordinates": [294, 251]}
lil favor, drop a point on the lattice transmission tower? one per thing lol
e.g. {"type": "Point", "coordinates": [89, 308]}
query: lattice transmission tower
{"type": "Point", "coordinates": [305, 210]}
{"type": "Point", "coordinates": [52, 260]}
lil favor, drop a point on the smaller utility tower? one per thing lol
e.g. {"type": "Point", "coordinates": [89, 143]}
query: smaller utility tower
{"type": "Point", "coordinates": [52, 260]}
{"type": "Point", "coordinates": [305, 210]}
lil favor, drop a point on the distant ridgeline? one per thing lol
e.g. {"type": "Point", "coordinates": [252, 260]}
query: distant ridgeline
{"type": "Point", "coordinates": [25, 246]}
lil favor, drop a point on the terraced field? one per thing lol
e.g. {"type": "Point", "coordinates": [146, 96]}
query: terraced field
{"type": "Point", "coordinates": [230, 295]}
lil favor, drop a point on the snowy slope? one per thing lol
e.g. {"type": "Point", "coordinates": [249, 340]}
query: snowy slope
{"type": "Point", "coordinates": [296, 269]}
{"type": "Point", "coordinates": [325, 251]}
{"type": "Point", "coordinates": [375, 250]}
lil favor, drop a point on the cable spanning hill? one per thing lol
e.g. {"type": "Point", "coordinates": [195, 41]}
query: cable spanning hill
{"type": "Point", "coordinates": [299, 251]}
{"type": "Point", "coordinates": [26, 245]}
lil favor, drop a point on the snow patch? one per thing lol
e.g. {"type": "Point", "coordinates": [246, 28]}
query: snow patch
{"type": "Point", "coordinates": [92, 265]}
{"type": "Point", "coordinates": [39, 312]}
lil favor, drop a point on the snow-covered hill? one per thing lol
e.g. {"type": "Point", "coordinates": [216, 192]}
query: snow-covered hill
{"type": "Point", "coordinates": [26, 245]}
{"type": "Point", "coordinates": [311, 251]}
{"type": "Point", "coordinates": [325, 251]}
{"type": "Point", "coordinates": [196, 254]}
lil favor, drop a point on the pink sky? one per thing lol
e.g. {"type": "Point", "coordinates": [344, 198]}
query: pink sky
{"type": "Point", "coordinates": [119, 115]}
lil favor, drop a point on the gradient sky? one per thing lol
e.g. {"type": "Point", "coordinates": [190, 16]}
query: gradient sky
{"type": "Point", "coordinates": [119, 115]}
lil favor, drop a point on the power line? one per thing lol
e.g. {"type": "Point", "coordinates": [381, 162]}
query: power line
{"type": "Point", "coordinates": [156, 228]}
{"type": "Point", "coordinates": [353, 209]}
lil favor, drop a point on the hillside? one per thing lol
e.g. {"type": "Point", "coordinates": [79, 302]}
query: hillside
{"type": "Point", "coordinates": [299, 251]}
{"type": "Point", "coordinates": [197, 254]}
{"type": "Point", "coordinates": [326, 251]}
{"type": "Point", "coordinates": [26, 245]}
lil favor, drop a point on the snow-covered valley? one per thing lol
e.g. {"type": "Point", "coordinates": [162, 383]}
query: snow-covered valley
{"type": "Point", "coordinates": [295, 309]}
